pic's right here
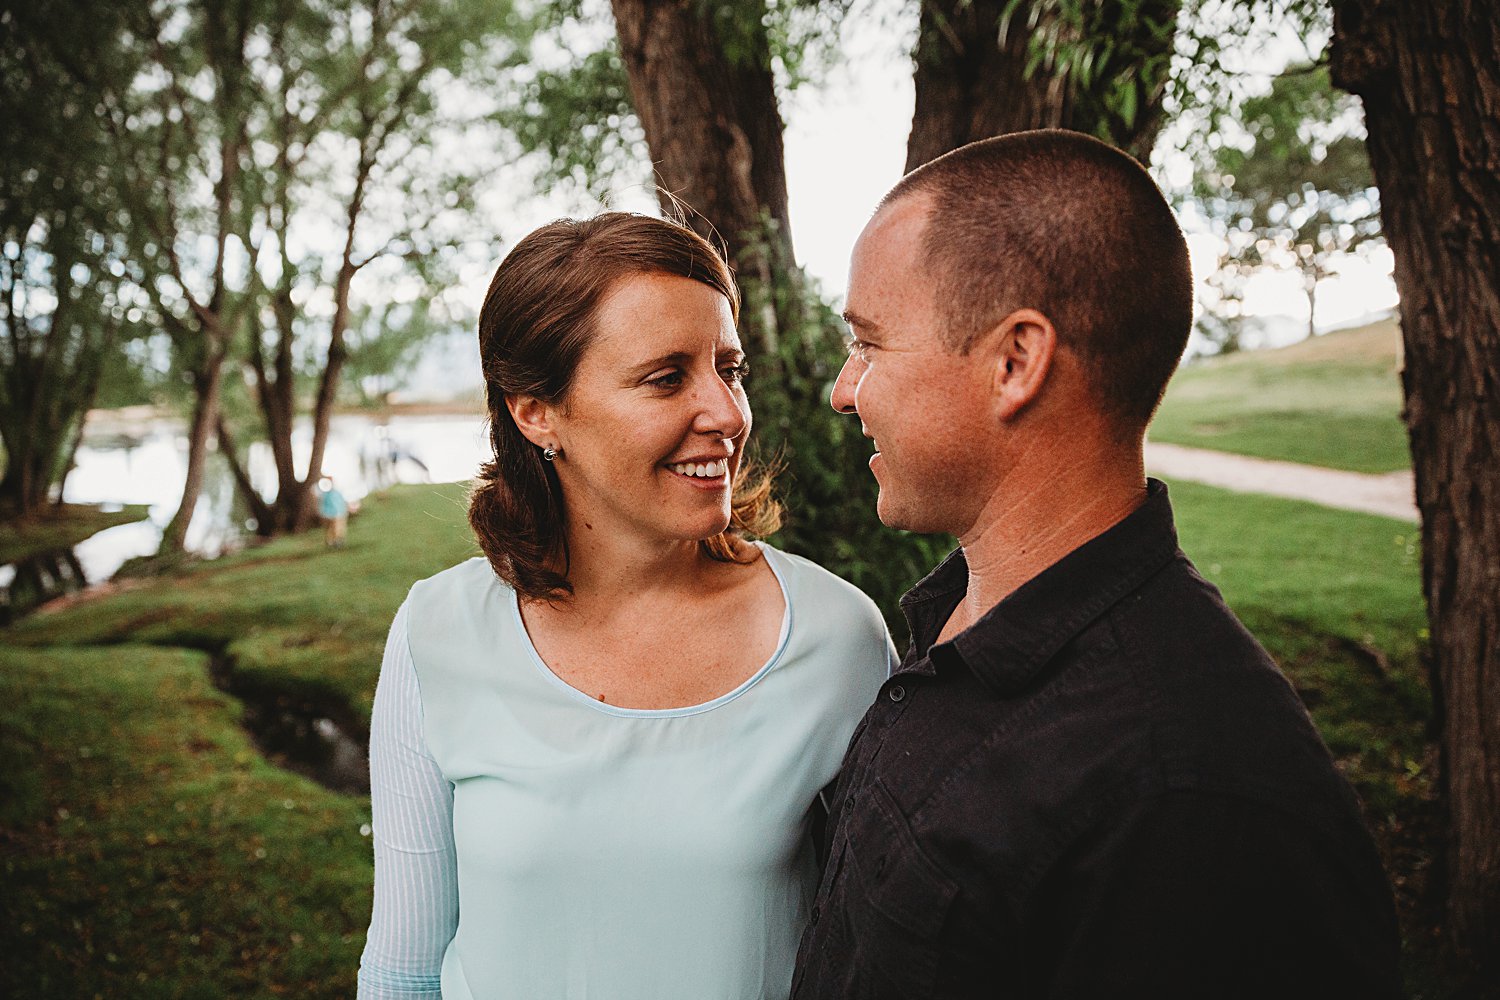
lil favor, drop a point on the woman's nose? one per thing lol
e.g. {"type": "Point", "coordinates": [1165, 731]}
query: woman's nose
{"type": "Point", "coordinates": [722, 410]}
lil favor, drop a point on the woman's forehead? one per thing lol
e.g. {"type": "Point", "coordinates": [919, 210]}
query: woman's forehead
{"type": "Point", "coordinates": [663, 313]}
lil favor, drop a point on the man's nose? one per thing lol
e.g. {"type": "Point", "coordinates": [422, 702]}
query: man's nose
{"type": "Point", "coordinates": [842, 398]}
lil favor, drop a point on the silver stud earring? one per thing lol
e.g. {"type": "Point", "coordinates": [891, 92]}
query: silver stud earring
{"type": "Point", "coordinates": [549, 454]}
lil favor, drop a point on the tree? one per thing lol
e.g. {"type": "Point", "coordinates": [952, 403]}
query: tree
{"type": "Point", "coordinates": [1429, 77]}
{"type": "Point", "coordinates": [349, 126]}
{"type": "Point", "coordinates": [68, 297]}
{"type": "Point", "coordinates": [1296, 188]}
{"type": "Point", "coordinates": [988, 67]}
{"type": "Point", "coordinates": [177, 130]}
{"type": "Point", "coordinates": [702, 86]}
{"type": "Point", "coordinates": [252, 131]}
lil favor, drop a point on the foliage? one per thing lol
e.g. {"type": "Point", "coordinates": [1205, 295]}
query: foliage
{"type": "Point", "coordinates": [1113, 57]}
{"type": "Point", "coordinates": [1333, 402]}
{"type": "Point", "coordinates": [1215, 39]}
{"type": "Point", "coordinates": [1294, 188]}
{"type": "Point", "coordinates": [573, 109]}
{"type": "Point", "coordinates": [581, 122]}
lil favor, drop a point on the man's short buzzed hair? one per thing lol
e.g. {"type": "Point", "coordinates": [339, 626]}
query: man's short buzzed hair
{"type": "Point", "coordinates": [1062, 223]}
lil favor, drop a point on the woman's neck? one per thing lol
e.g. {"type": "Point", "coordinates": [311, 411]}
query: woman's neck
{"type": "Point", "coordinates": [610, 568]}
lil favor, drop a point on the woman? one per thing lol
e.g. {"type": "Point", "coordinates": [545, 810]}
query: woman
{"type": "Point", "coordinates": [595, 753]}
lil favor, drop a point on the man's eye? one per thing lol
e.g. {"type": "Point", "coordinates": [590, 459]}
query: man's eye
{"type": "Point", "coordinates": [859, 349]}
{"type": "Point", "coordinates": [666, 380]}
{"type": "Point", "coordinates": [735, 373]}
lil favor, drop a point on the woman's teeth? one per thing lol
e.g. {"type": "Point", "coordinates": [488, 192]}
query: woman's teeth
{"type": "Point", "coordinates": [702, 470]}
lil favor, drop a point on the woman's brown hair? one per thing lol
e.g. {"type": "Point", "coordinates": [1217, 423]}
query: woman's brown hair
{"type": "Point", "coordinates": [537, 321]}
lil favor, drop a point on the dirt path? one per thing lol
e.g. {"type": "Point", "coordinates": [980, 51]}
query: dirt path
{"type": "Point", "coordinates": [1391, 494]}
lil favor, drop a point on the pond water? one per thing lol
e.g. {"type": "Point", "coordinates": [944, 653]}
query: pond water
{"type": "Point", "coordinates": [125, 460]}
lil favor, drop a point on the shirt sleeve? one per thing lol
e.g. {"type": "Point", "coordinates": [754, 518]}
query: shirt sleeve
{"type": "Point", "coordinates": [416, 875]}
{"type": "Point", "coordinates": [1194, 894]}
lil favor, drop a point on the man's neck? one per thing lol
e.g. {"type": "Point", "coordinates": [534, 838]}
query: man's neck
{"type": "Point", "coordinates": [1035, 519]}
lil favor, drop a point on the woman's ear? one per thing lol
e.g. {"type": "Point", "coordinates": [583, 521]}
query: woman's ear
{"type": "Point", "coordinates": [1024, 345]}
{"type": "Point", "coordinates": [533, 418]}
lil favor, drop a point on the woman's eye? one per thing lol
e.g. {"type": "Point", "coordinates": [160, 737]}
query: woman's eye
{"type": "Point", "coordinates": [735, 373]}
{"type": "Point", "coordinates": [666, 380]}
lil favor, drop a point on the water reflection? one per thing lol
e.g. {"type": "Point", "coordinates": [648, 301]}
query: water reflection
{"type": "Point", "coordinates": [31, 582]}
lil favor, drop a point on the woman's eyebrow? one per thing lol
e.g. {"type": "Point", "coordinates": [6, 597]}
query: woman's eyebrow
{"type": "Point", "coordinates": [644, 368]}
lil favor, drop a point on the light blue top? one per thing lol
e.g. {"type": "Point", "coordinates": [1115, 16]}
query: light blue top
{"type": "Point", "coordinates": [331, 503]}
{"type": "Point", "coordinates": [534, 843]}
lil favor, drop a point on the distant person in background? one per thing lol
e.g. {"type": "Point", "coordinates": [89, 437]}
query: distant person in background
{"type": "Point", "coordinates": [334, 510]}
{"type": "Point", "coordinates": [1086, 779]}
{"type": "Point", "coordinates": [596, 753]}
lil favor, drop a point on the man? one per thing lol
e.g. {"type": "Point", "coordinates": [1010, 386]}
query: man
{"type": "Point", "coordinates": [1086, 779]}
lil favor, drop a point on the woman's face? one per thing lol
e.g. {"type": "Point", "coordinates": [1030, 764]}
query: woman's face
{"type": "Point", "coordinates": [652, 427]}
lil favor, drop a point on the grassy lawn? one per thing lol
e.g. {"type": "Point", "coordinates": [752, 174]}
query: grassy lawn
{"type": "Point", "coordinates": [60, 528]}
{"type": "Point", "coordinates": [1334, 401]}
{"type": "Point", "coordinates": [150, 851]}
{"type": "Point", "coordinates": [292, 614]}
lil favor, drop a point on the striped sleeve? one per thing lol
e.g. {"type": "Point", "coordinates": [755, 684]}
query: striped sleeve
{"type": "Point", "coordinates": [416, 876]}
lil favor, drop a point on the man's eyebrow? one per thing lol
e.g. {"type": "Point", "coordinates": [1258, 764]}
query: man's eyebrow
{"type": "Point", "coordinates": [856, 320]}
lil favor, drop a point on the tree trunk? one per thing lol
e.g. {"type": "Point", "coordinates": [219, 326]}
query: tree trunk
{"type": "Point", "coordinates": [715, 134]}
{"type": "Point", "coordinates": [972, 81]}
{"type": "Point", "coordinates": [206, 385]}
{"type": "Point", "coordinates": [264, 522]}
{"type": "Point", "coordinates": [1429, 75]}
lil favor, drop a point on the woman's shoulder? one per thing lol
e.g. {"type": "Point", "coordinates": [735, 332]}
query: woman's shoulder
{"type": "Point", "coordinates": [471, 573]}
{"type": "Point", "coordinates": [813, 586]}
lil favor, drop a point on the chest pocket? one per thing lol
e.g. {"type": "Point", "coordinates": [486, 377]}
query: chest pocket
{"type": "Point", "coordinates": [899, 900]}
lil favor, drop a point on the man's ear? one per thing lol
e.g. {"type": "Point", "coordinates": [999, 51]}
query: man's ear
{"type": "Point", "coordinates": [1025, 344]}
{"type": "Point", "coordinates": [534, 419]}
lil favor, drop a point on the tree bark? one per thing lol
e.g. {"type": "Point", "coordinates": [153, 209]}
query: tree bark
{"type": "Point", "coordinates": [715, 135]}
{"type": "Point", "coordinates": [207, 381]}
{"type": "Point", "coordinates": [1429, 75]}
{"type": "Point", "coordinates": [972, 81]}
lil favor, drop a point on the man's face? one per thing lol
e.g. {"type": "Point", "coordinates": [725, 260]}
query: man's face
{"type": "Point", "coordinates": [925, 406]}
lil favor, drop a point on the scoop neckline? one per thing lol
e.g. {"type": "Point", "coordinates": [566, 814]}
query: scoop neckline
{"type": "Point", "coordinates": [540, 665]}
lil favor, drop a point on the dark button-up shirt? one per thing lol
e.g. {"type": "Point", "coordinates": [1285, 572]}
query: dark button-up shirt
{"type": "Point", "coordinates": [1102, 788]}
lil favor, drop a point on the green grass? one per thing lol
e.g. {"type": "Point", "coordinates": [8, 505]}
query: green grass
{"type": "Point", "coordinates": [134, 812]}
{"type": "Point", "coordinates": [149, 850]}
{"type": "Point", "coordinates": [60, 528]}
{"type": "Point", "coordinates": [1333, 401]}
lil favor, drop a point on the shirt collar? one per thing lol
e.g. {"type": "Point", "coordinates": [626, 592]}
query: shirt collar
{"type": "Point", "coordinates": [1016, 638]}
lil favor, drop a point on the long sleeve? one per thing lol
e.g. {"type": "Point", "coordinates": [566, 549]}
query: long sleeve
{"type": "Point", "coordinates": [416, 876]}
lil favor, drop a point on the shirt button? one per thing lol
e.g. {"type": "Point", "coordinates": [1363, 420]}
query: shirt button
{"type": "Point", "coordinates": [897, 692]}
{"type": "Point", "coordinates": [816, 913]}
